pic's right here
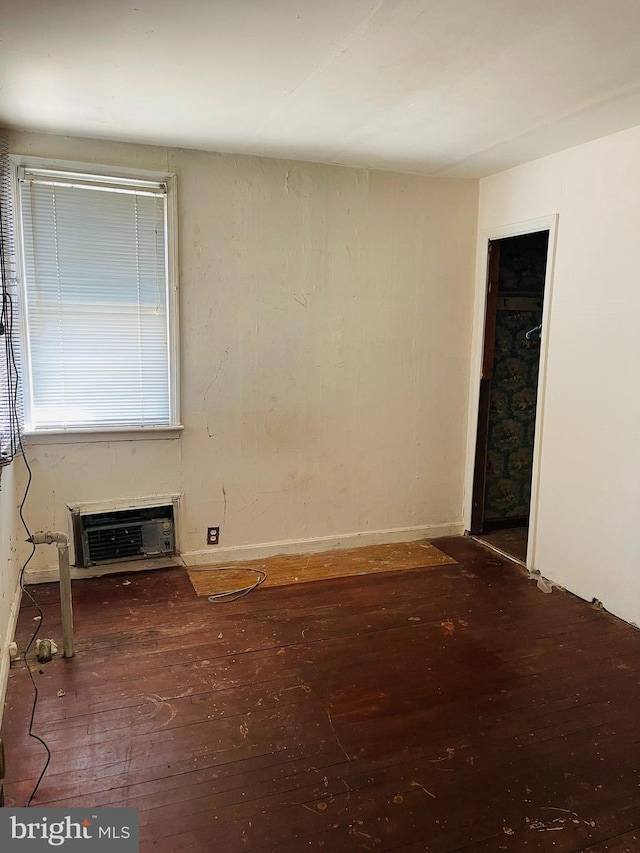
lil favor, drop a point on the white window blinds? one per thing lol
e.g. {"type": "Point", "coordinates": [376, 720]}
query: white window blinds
{"type": "Point", "coordinates": [96, 293]}
{"type": "Point", "coordinates": [10, 399]}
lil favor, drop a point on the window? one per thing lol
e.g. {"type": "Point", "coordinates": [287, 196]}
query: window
{"type": "Point", "coordinates": [10, 412]}
{"type": "Point", "coordinates": [98, 303]}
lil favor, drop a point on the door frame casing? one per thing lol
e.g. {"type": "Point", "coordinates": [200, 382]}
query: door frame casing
{"type": "Point", "coordinates": [478, 492]}
{"type": "Point", "coordinates": [515, 229]}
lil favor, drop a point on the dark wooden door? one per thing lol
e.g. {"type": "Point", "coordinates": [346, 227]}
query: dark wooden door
{"type": "Point", "coordinates": [488, 355]}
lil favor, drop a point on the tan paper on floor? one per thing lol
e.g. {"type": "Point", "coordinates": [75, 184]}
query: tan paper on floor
{"type": "Point", "coordinates": [303, 568]}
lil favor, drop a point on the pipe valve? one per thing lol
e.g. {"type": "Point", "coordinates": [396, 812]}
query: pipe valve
{"type": "Point", "coordinates": [42, 537]}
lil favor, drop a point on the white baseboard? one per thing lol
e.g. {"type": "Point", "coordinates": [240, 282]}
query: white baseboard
{"type": "Point", "coordinates": [216, 555]}
{"type": "Point", "coordinates": [50, 574]}
{"type": "Point", "coordinates": [5, 661]}
{"type": "Point", "coordinates": [236, 553]}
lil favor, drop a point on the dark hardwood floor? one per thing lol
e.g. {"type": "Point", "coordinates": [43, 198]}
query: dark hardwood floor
{"type": "Point", "coordinates": [511, 540]}
{"type": "Point", "coordinates": [451, 709]}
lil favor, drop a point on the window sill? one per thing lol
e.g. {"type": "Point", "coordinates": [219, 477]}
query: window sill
{"type": "Point", "coordinates": [84, 436]}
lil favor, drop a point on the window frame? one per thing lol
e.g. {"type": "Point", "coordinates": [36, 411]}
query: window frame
{"type": "Point", "coordinates": [34, 435]}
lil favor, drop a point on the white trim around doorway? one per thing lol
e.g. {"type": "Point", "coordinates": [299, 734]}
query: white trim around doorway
{"type": "Point", "coordinates": [516, 229]}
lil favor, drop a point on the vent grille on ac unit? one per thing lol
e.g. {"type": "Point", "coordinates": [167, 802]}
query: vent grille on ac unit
{"type": "Point", "coordinates": [131, 534]}
{"type": "Point", "coordinates": [119, 542]}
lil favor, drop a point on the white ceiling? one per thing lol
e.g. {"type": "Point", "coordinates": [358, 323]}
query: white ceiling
{"type": "Point", "coordinates": [445, 87]}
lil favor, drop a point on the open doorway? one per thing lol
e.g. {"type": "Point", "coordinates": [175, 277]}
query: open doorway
{"type": "Point", "coordinates": [508, 392]}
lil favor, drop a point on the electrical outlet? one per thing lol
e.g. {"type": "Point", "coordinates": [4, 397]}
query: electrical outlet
{"type": "Point", "coordinates": [213, 535]}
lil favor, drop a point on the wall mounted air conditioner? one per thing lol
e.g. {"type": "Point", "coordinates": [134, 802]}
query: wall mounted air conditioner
{"type": "Point", "coordinates": [133, 533]}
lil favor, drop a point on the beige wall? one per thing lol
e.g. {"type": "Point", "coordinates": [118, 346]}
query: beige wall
{"type": "Point", "coordinates": [8, 534]}
{"type": "Point", "coordinates": [10, 562]}
{"type": "Point", "coordinates": [589, 489]}
{"type": "Point", "coordinates": [325, 320]}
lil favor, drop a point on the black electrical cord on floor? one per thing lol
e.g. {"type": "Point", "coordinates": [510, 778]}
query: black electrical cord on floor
{"type": "Point", "coordinates": [36, 629]}
{"type": "Point", "coordinates": [14, 421]}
